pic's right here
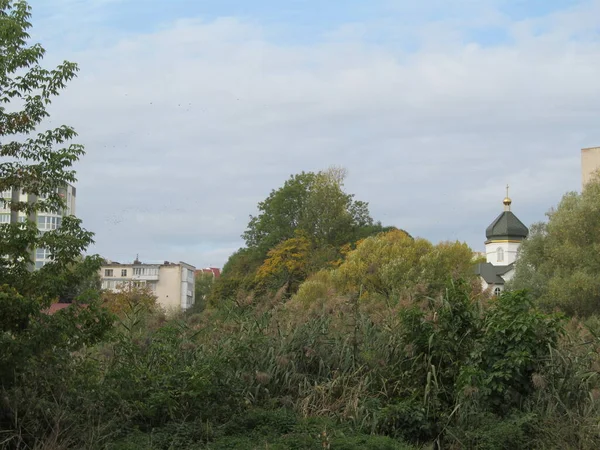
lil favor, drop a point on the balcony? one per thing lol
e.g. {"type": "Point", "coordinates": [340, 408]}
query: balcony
{"type": "Point", "coordinates": [145, 273]}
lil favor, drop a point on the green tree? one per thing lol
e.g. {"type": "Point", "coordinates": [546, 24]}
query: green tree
{"type": "Point", "coordinates": [203, 286]}
{"type": "Point", "coordinates": [516, 342]}
{"type": "Point", "coordinates": [560, 260]}
{"type": "Point", "coordinates": [238, 274]}
{"type": "Point", "coordinates": [38, 163]}
{"type": "Point", "coordinates": [313, 203]}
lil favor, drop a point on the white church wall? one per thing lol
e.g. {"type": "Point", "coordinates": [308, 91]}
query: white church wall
{"type": "Point", "coordinates": [508, 252]}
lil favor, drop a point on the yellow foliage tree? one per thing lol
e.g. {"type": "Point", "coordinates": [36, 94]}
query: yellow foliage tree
{"type": "Point", "coordinates": [287, 263]}
{"type": "Point", "coordinates": [395, 265]}
{"type": "Point", "coordinates": [129, 299]}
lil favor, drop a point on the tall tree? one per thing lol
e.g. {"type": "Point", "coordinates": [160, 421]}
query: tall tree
{"type": "Point", "coordinates": [37, 163]}
{"type": "Point", "coordinates": [559, 262]}
{"type": "Point", "coordinates": [312, 203]}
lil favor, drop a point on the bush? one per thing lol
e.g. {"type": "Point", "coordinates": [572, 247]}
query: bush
{"type": "Point", "coordinates": [486, 431]}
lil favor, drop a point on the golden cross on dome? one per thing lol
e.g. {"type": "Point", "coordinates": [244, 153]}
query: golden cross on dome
{"type": "Point", "coordinates": [507, 201]}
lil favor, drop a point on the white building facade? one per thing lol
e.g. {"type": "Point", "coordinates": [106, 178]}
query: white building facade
{"type": "Point", "coordinates": [46, 221]}
{"type": "Point", "coordinates": [172, 283]}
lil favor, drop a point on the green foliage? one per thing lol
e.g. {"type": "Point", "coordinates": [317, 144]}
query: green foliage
{"type": "Point", "coordinates": [231, 378]}
{"type": "Point", "coordinates": [486, 431]}
{"type": "Point", "coordinates": [559, 262]}
{"type": "Point", "coordinates": [238, 274]}
{"type": "Point", "coordinates": [407, 419]}
{"type": "Point", "coordinates": [516, 343]}
{"type": "Point", "coordinates": [27, 333]}
{"type": "Point", "coordinates": [312, 203]}
{"type": "Point", "coordinates": [163, 378]}
{"type": "Point", "coordinates": [38, 351]}
{"type": "Point", "coordinates": [203, 286]}
{"type": "Point", "coordinates": [39, 165]}
{"type": "Point", "coordinates": [257, 428]}
{"type": "Point", "coordinates": [41, 380]}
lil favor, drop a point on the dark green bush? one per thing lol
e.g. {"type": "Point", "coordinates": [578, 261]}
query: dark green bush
{"type": "Point", "coordinates": [486, 431]}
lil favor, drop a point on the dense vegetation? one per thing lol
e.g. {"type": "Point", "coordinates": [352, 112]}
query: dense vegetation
{"type": "Point", "coordinates": [560, 262]}
{"type": "Point", "coordinates": [326, 331]}
{"type": "Point", "coordinates": [306, 225]}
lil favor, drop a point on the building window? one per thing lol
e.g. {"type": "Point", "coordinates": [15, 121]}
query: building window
{"type": "Point", "coordinates": [4, 218]}
{"type": "Point", "coordinates": [42, 253]}
{"type": "Point", "coordinates": [145, 271]}
{"type": "Point", "coordinates": [497, 291]}
{"type": "Point", "coordinates": [500, 254]}
{"type": "Point", "coordinates": [48, 223]}
{"type": "Point", "coordinates": [109, 284]}
{"type": "Point", "coordinates": [123, 272]}
{"type": "Point", "coordinates": [108, 272]}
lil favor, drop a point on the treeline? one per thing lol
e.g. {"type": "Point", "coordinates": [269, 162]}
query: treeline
{"type": "Point", "coordinates": [308, 224]}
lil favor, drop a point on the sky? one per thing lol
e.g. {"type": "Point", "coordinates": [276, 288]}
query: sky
{"type": "Point", "coordinates": [192, 111]}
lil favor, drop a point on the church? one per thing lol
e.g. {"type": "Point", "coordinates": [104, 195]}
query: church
{"type": "Point", "coordinates": [504, 237]}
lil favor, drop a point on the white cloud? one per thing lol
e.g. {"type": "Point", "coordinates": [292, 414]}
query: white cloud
{"type": "Point", "coordinates": [187, 128]}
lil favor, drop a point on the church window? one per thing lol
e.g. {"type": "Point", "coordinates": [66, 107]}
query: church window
{"type": "Point", "coordinates": [497, 291]}
{"type": "Point", "coordinates": [500, 254]}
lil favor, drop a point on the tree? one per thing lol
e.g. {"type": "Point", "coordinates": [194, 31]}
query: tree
{"type": "Point", "coordinates": [238, 274]}
{"type": "Point", "coordinates": [313, 203]}
{"type": "Point", "coordinates": [394, 264]}
{"type": "Point", "coordinates": [36, 163]}
{"type": "Point", "coordinates": [559, 262]}
{"type": "Point", "coordinates": [330, 215]}
{"type": "Point", "coordinates": [128, 299]}
{"type": "Point", "coordinates": [203, 286]}
{"type": "Point", "coordinates": [310, 211]}
{"type": "Point", "coordinates": [39, 164]}
{"type": "Point", "coordinates": [286, 264]}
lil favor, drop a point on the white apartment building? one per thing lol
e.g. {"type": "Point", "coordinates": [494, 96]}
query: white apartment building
{"type": "Point", "coordinates": [45, 220]}
{"type": "Point", "coordinates": [172, 283]}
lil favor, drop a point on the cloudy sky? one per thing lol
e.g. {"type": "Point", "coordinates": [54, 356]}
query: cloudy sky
{"type": "Point", "coordinates": [192, 111]}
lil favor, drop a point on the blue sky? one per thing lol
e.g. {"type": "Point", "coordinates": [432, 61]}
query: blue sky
{"type": "Point", "coordinates": [192, 111]}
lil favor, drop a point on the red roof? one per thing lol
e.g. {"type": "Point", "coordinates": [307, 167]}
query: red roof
{"type": "Point", "coordinates": [215, 271]}
{"type": "Point", "coordinates": [56, 307]}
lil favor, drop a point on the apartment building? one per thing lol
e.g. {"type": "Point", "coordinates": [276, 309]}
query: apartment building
{"type": "Point", "coordinates": [590, 163]}
{"type": "Point", "coordinates": [46, 221]}
{"type": "Point", "coordinates": [172, 283]}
